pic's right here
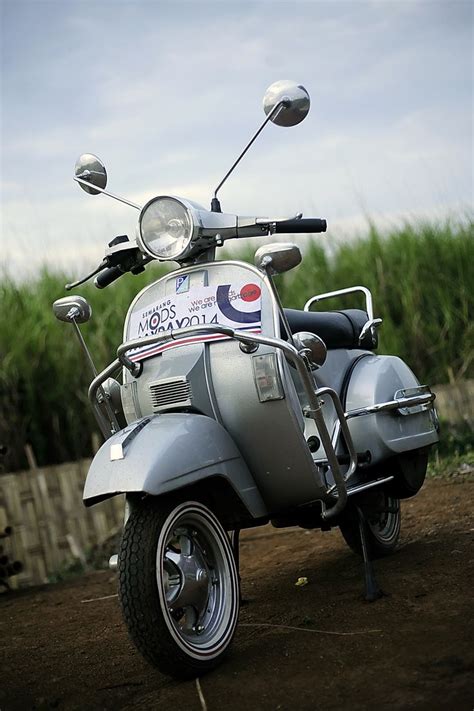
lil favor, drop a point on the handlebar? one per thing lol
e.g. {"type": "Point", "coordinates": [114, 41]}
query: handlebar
{"type": "Point", "coordinates": [310, 224]}
{"type": "Point", "coordinates": [107, 276]}
{"type": "Point", "coordinates": [123, 256]}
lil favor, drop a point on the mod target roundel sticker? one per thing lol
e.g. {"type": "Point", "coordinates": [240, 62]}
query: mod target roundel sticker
{"type": "Point", "coordinates": [232, 304]}
{"type": "Point", "coordinates": [154, 321]}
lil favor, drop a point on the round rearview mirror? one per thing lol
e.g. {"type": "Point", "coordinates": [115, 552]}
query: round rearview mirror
{"type": "Point", "coordinates": [72, 308]}
{"type": "Point", "coordinates": [313, 346]}
{"type": "Point", "coordinates": [277, 258]}
{"type": "Point", "coordinates": [91, 169]}
{"type": "Point", "coordinates": [294, 99]}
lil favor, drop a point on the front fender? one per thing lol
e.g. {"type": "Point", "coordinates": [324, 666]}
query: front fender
{"type": "Point", "coordinates": [166, 452]}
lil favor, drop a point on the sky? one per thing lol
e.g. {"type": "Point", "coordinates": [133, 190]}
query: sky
{"type": "Point", "coordinates": [168, 93]}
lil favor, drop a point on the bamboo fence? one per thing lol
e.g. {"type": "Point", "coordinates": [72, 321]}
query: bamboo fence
{"type": "Point", "coordinates": [51, 526]}
{"type": "Point", "coordinates": [455, 402]}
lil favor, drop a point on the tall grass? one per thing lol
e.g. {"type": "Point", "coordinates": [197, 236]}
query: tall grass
{"type": "Point", "coordinates": [43, 377]}
{"type": "Point", "coordinates": [422, 280]}
{"type": "Point", "coordinates": [421, 277]}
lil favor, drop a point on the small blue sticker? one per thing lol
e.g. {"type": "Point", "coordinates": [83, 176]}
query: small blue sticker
{"type": "Point", "coordinates": [182, 284]}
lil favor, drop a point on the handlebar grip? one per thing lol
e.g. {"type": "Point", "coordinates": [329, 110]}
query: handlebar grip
{"type": "Point", "coordinates": [107, 276]}
{"type": "Point", "coordinates": [310, 224]}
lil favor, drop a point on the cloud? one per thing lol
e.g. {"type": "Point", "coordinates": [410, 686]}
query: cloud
{"type": "Point", "coordinates": [168, 94]}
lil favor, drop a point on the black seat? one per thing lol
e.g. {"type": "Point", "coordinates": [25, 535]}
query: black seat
{"type": "Point", "coordinates": [338, 329]}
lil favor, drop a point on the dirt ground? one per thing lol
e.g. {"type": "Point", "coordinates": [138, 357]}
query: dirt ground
{"type": "Point", "coordinates": [320, 646]}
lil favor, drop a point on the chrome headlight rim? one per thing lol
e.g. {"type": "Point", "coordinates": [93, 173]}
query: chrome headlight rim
{"type": "Point", "coordinates": [193, 229]}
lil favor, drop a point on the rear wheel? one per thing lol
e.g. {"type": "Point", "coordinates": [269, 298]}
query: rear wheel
{"type": "Point", "coordinates": [409, 472]}
{"type": "Point", "coordinates": [383, 517]}
{"type": "Point", "coordinates": [178, 586]}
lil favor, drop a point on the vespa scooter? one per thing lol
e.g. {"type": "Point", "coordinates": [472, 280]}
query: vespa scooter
{"type": "Point", "coordinates": [231, 411]}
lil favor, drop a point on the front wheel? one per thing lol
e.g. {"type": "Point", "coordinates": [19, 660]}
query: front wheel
{"type": "Point", "coordinates": [178, 586]}
{"type": "Point", "coordinates": [383, 517]}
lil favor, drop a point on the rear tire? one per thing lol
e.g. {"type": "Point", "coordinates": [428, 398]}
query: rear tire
{"type": "Point", "coordinates": [409, 472]}
{"type": "Point", "coordinates": [383, 517]}
{"type": "Point", "coordinates": [178, 586]}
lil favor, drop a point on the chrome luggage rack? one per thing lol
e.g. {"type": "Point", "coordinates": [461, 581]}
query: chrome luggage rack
{"type": "Point", "coordinates": [370, 325]}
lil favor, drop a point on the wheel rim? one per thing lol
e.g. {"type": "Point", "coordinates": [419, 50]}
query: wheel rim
{"type": "Point", "coordinates": [385, 524]}
{"type": "Point", "coordinates": [197, 581]}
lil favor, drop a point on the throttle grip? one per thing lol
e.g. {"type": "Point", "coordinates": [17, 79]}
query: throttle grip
{"type": "Point", "coordinates": [107, 276]}
{"type": "Point", "coordinates": [306, 225]}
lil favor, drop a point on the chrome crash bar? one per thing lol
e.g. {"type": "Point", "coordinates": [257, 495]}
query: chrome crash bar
{"type": "Point", "coordinates": [106, 427]}
{"type": "Point", "coordinates": [291, 353]}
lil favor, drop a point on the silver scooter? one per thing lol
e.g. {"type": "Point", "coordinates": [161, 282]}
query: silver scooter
{"type": "Point", "coordinates": [232, 411]}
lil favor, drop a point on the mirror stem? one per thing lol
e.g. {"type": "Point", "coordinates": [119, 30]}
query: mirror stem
{"type": "Point", "coordinates": [102, 396]}
{"type": "Point", "coordinates": [105, 192]}
{"type": "Point", "coordinates": [215, 204]}
{"type": "Point", "coordinates": [84, 346]}
{"type": "Point", "coordinates": [283, 317]}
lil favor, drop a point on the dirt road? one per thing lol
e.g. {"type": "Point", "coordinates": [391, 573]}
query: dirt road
{"type": "Point", "coordinates": [314, 647]}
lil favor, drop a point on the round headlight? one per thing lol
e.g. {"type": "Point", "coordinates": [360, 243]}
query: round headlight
{"type": "Point", "coordinates": [166, 228]}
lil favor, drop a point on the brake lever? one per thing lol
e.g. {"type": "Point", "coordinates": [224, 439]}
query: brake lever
{"type": "Point", "coordinates": [276, 220]}
{"type": "Point", "coordinates": [116, 256]}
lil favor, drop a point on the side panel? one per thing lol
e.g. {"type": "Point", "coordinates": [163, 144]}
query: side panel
{"type": "Point", "coordinates": [166, 452]}
{"type": "Point", "coordinates": [375, 380]}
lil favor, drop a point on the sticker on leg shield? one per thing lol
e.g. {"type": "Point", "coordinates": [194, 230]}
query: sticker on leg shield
{"type": "Point", "coordinates": [248, 293]}
{"type": "Point", "coordinates": [182, 284]}
{"type": "Point", "coordinates": [237, 305]}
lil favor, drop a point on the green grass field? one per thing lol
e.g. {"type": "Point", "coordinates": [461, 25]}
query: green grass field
{"type": "Point", "coordinates": [421, 277]}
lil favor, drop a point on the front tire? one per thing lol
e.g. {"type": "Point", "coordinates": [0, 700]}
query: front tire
{"type": "Point", "coordinates": [383, 517]}
{"type": "Point", "coordinates": [178, 586]}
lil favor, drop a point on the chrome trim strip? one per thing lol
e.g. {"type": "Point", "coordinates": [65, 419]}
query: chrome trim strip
{"type": "Point", "coordinates": [402, 402]}
{"type": "Point", "coordinates": [117, 450]}
{"type": "Point", "coordinates": [369, 485]}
